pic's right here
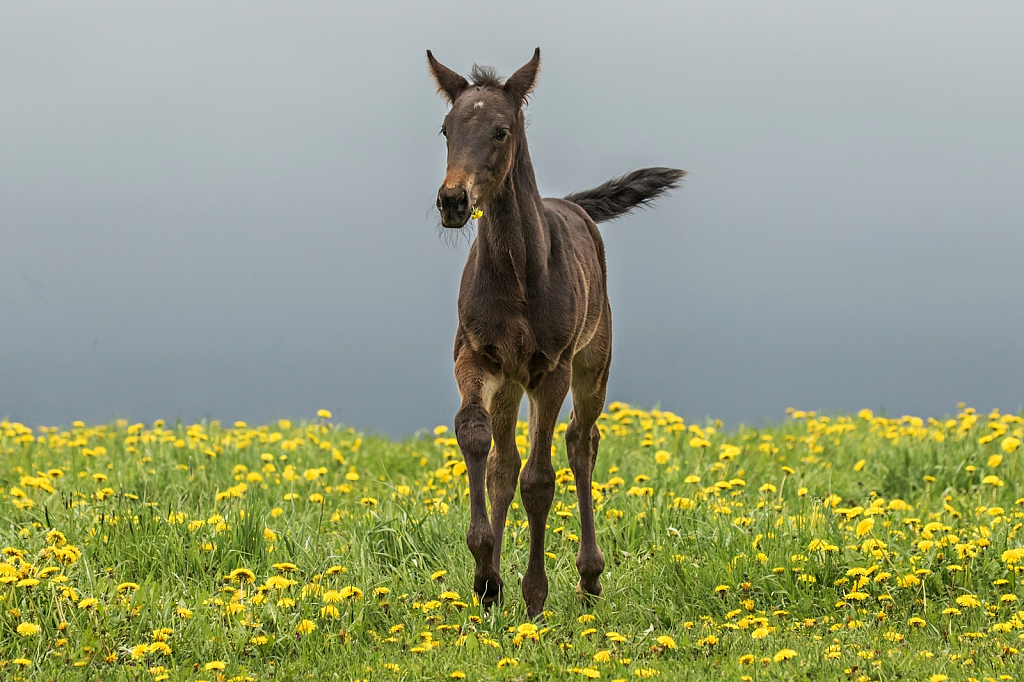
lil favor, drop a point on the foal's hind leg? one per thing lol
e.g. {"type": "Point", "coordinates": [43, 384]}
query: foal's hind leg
{"type": "Point", "coordinates": [473, 431]}
{"type": "Point", "coordinates": [537, 480]}
{"type": "Point", "coordinates": [589, 380]}
{"type": "Point", "coordinates": [502, 465]}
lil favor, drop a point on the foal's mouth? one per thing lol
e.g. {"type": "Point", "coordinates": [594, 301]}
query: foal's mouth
{"type": "Point", "coordinates": [460, 222]}
{"type": "Point", "coordinates": [454, 223]}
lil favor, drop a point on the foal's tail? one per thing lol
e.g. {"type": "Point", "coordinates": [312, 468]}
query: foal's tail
{"type": "Point", "coordinates": [620, 195]}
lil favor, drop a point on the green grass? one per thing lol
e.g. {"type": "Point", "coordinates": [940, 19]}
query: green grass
{"type": "Point", "coordinates": [845, 541]}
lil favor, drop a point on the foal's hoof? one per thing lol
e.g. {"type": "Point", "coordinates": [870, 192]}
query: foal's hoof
{"type": "Point", "coordinates": [588, 595]}
{"type": "Point", "coordinates": [535, 593]}
{"type": "Point", "coordinates": [489, 590]}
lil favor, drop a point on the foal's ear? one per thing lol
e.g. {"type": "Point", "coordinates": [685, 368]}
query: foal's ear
{"type": "Point", "coordinates": [449, 83]}
{"type": "Point", "coordinates": [520, 84]}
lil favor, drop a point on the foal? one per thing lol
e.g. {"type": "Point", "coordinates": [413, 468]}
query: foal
{"type": "Point", "coordinates": [533, 317]}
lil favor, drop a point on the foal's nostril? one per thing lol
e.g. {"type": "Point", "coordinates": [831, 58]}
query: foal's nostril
{"type": "Point", "coordinates": [454, 199]}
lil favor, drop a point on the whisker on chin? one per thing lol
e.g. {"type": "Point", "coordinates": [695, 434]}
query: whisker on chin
{"type": "Point", "coordinates": [453, 238]}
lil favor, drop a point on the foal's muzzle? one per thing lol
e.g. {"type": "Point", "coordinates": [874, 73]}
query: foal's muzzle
{"type": "Point", "coordinates": [453, 204]}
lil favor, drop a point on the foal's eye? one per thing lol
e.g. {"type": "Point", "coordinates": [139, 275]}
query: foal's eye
{"type": "Point", "coordinates": [501, 134]}
{"type": "Point", "coordinates": [444, 131]}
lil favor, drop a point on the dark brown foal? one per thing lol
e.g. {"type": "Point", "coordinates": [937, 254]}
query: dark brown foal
{"type": "Point", "coordinates": [533, 317]}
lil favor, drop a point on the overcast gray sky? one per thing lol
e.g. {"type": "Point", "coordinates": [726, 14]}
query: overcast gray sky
{"type": "Point", "coordinates": [225, 209]}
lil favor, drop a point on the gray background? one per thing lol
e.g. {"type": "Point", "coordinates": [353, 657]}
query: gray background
{"type": "Point", "coordinates": [225, 209]}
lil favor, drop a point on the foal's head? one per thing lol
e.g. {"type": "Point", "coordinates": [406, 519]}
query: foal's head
{"type": "Point", "coordinates": [484, 129]}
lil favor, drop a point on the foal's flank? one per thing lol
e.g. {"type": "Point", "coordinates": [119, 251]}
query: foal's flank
{"type": "Point", "coordinates": [533, 317]}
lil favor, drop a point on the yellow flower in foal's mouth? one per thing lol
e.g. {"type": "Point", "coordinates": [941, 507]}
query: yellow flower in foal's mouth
{"type": "Point", "coordinates": [476, 214]}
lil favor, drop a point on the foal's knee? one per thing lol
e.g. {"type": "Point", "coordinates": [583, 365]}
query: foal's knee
{"type": "Point", "coordinates": [579, 443]}
{"type": "Point", "coordinates": [537, 488]}
{"type": "Point", "coordinates": [572, 435]}
{"type": "Point", "coordinates": [473, 431]}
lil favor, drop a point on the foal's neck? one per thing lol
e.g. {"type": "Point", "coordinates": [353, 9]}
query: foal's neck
{"type": "Point", "coordinates": [512, 238]}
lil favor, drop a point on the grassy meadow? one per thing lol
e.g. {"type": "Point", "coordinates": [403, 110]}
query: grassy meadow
{"type": "Point", "coordinates": [853, 547]}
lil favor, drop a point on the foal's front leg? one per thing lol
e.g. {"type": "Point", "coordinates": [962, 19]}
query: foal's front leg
{"type": "Point", "coordinates": [503, 463]}
{"type": "Point", "coordinates": [473, 431]}
{"type": "Point", "coordinates": [537, 480]}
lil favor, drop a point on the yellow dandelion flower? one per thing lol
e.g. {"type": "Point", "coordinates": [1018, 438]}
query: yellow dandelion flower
{"type": "Point", "coordinates": [865, 526]}
{"type": "Point", "coordinates": [784, 655]}
{"type": "Point", "coordinates": [28, 629]}
{"type": "Point", "coordinates": [305, 627]}
{"type": "Point", "coordinates": [241, 575]}
{"type": "Point", "coordinates": [215, 665]}
{"type": "Point", "coordinates": [968, 601]}
{"type": "Point", "coordinates": [279, 582]}
{"type": "Point", "coordinates": [351, 592]}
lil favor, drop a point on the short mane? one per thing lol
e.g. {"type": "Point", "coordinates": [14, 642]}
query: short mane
{"type": "Point", "coordinates": [485, 76]}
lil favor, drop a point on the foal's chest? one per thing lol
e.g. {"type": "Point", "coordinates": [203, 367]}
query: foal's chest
{"type": "Point", "coordinates": [508, 345]}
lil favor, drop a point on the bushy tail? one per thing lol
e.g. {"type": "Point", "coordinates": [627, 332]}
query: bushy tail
{"type": "Point", "coordinates": [619, 195]}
